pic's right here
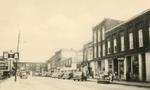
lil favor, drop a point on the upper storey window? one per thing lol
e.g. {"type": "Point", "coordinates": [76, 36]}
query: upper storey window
{"type": "Point", "coordinates": [115, 45]}
{"type": "Point", "coordinates": [103, 33]}
{"type": "Point", "coordinates": [95, 35]}
{"type": "Point", "coordinates": [99, 35]}
{"type": "Point", "coordinates": [108, 43]}
{"type": "Point", "coordinates": [140, 34]}
{"type": "Point", "coordinates": [122, 43]}
{"type": "Point", "coordinates": [131, 40]}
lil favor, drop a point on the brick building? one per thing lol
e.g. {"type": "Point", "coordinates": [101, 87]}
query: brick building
{"type": "Point", "coordinates": [64, 59]}
{"type": "Point", "coordinates": [123, 48]}
{"type": "Point", "coordinates": [35, 67]}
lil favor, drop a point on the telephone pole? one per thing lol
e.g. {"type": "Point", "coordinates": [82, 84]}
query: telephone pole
{"type": "Point", "coordinates": [18, 43]}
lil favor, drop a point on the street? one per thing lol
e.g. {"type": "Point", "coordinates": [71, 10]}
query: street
{"type": "Point", "coordinates": [45, 83]}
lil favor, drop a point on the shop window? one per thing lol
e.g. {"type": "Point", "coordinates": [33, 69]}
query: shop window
{"type": "Point", "coordinates": [110, 65]}
{"type": "Point", "coordinates": [135, 66]}
{"type": "Point", "coordinates": [149, 34]}
{"type": "Point", "coordinates": [121, 67]}
{"type": "Point", "coordinates": [140, 33]}
{"type": "Point", "coordinates": [131, 40]}
{"type": "Point", "coordinates": [103, 65]}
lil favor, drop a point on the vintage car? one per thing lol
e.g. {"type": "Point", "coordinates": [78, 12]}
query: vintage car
{"type": "Point", "coordinates": [60, 75]}
{"type": "Point", "coordinates": [23, 75]}
{"type": "Point", "coordinates": [77, 76]}
{"type": "Point", "coordinates": [54, 75]}
{"type": "Point", "coordinates": [48, 74]}
{"type": "Point", "coordinates": [57, 75]}
{"type": "Point", "coordinates": [104, 77]}
{"type": "Point", "coordinates": [67, 75]}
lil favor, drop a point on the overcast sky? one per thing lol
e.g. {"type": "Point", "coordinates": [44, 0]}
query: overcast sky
{"type": "Point", "coordinates": [49, 25]}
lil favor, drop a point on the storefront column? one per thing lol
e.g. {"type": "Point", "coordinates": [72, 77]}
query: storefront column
{"type": "Point", "coordinates": [147, 56]}
{"type": "Point", "coordinates": [125, 67]}
{"type": "Point", "coordinates": [106, 65]}
{"type": "Point", "coordinates": [140, 67]}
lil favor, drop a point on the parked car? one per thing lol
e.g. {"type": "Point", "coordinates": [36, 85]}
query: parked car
{"type": "Point", "coordinates": [23, 75]}
{"type": "Point", "coordinates": [60, 75]}
{"type": "Point", "coordinates": [54, 75]}
{"type": "Point", "coordinates": [67, 75]}
{"type": "Point", "coordinates": [48, 74]}
{"type": "Point", "coordinates": [77, 75]}
{"type": "Point", "coordinates": [105, 77]}
{"type": "Point", "coordinates": [43, 74]}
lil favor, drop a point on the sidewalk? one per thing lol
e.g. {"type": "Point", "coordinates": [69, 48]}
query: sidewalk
{"type": "Point", "coordinates": [137, 84]}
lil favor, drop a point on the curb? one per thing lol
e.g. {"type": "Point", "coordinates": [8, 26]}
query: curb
{"type": "Point", "coordinates": [146, 86]}
{"type": "Point", "coordinates": [126, 84]}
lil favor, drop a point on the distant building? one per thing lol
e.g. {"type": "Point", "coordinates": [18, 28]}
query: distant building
{"type": "Point", "coordinates": [35, 67]}
{"type": "Point", "coordinates": [88, 58]}
{"type": "Point", "coordinates": [64, 59]}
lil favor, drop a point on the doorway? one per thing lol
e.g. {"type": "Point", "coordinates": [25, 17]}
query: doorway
{"type": "Point", "coordinates": [115, 69]}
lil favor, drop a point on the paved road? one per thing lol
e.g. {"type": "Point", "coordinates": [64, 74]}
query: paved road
{"type": "Point", "coordinates": [44, 83]}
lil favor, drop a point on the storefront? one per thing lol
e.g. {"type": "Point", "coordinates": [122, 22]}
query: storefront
{"type": "Point", "coordinates": [136, 69]}
{"type": "Point", "coordinates": [117, 67]}
{"type": "Point", "coordinates": [92, 68]}
{"type": "Point", "coordinates": [147, 57]}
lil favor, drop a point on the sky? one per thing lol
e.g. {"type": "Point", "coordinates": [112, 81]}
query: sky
{"type": "Point", "coordinates": [49, 25]}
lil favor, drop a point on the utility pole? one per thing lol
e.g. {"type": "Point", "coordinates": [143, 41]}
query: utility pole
{"type": "Point", "coordinates": [18, 43]}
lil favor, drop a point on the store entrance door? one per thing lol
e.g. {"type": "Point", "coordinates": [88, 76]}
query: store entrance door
{"type": "Point", "coordinates": [115, 69]}
{"type": "Point", "coordinates": [128, 68]}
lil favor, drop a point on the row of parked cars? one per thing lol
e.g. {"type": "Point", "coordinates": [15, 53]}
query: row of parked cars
{"type": "Point", "coordinates": [78, 75]}
{"type": "Point", "coordinates": [103, 77]}
{"type": "Point", "coordinates": [63, 75]}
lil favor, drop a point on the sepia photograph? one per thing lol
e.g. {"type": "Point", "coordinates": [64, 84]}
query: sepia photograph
{"type": "Point", "coordinates": [75, 45]}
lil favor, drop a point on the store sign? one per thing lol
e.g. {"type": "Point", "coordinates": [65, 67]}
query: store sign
{"type": "Point", "coordinates": [14, 55]}
{"type": "Point", "coordinates": [11, 55]}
